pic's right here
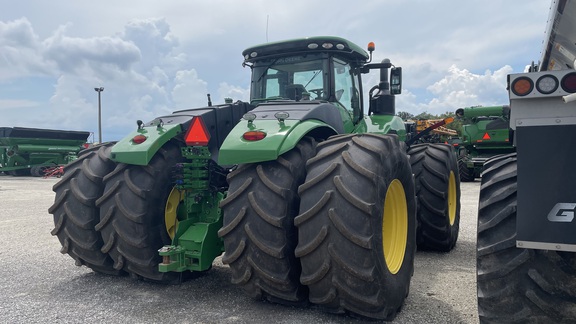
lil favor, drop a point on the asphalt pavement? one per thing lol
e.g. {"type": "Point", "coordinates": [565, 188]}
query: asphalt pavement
{"type": "Point", "coordinates": [38, 284]}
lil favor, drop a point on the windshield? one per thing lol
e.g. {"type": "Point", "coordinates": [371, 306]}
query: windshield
{"type": "Point", "coordinates": [293, 78]}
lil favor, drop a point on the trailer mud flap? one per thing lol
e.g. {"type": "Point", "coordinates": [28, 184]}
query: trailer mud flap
{"type": "Point", "coordinates": [546, 187]}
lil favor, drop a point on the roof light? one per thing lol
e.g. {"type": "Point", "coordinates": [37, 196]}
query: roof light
{"type": "Point", "coordinates": [327, 45]}
{"type": "Point", "coordinates": [547, 84]}
{"type": "Point", "coordinates": [254, 135]}
{"type": "Point", "coordinates": [197, 134]}
{"type": "Point", "coordinates": [522, 86]}
{"type": "Point", "coordinates": [340, 46]}
{"type": "Point", "coordinates": [569, 82]}
{"type": "Point", "coordinates": [312, 46]}
{"type": "Point", "coordinates": [139, 139]}
{"type": "Point", "coordinates": [253, 54]}
{"type": "Point", "coordinates": [371, 47]}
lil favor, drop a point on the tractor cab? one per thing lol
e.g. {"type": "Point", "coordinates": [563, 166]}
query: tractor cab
{"type": "Point", "coordinates": [321, 69]}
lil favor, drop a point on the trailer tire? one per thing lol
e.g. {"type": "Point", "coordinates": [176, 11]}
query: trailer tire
{"type": "Point", "coordinates": [258, 226]}
{"type": "Point", "coordinates": [517, 285]}
{"type": "Point", "coordinates": [75, 212]}
{"type": "Point", "coordinates": [357, 226]}
{"type": "Point", "coordinates": [438, 191]}
{"type": "Point", "coordinates": [466, 174]}
{"type": "Point", "coordinates": [132, 211]}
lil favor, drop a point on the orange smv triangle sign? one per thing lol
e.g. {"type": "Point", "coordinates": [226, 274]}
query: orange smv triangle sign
{"type": "Point", "coordinates": [197, 134]}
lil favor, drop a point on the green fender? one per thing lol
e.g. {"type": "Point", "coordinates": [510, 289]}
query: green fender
{"type": "Point", "coordinates": [126, 151]}
{"type": "Point", "coordinates": [280, 138]}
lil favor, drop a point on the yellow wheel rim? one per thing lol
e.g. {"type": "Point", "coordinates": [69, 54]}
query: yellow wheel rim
{"type": "Point", "coordinates": [171, 211]}
{"type": "Point", "coordinates": [395, 226]}
{"type": "Point", "coordinates": [452, 201]}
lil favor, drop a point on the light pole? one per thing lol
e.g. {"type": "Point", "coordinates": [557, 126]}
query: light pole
{"type": "Point", "coordinates": [99, 90]}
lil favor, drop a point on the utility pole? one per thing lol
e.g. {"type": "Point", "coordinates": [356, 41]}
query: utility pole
{"type": "Point", "coordinates": [99, 90]}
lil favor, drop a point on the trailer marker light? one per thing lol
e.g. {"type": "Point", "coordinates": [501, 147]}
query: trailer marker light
{"type": "Point", "coordinates": [522, 86]}
{"type": "Point", "coordinates": [197, 133]}
{"type": "Point", "coordinates": [569, 82]}
{"type": "Point", "coordinates": [547, 84]}
{"type": "Point", "coordinates": [139, 139]}
{"type": "Point", "coordinates": [254, 135]}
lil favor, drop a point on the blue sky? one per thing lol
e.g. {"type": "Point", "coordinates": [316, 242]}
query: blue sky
{"type": "Point", "coordinates": [155, 57]}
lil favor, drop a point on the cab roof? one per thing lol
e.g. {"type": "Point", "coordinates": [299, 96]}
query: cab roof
{"type": "Point", "coordinates": [318, 44]}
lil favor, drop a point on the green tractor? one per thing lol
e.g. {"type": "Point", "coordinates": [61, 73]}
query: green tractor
{"type": "Point", "coordinates": [308, 199]}
{"type": "Point", "coordinates": [485, 133]}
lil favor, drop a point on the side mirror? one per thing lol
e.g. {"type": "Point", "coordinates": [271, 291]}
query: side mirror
{"type": "Point", "coordinates": [396, 80]}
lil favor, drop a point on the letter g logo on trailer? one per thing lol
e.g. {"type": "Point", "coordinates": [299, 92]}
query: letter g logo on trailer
{"type": "Point", "coordinates": [562, 212]}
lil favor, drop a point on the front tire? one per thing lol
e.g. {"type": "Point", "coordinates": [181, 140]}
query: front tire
{"type": "Point", "coordinates": [75, 212]}
{"type": "Point", "coordinates": [258, 230]}
{"type": "Point", "coordinates": [438, 191]}
{"type": "Point", "coordinates": [357, 225]}
{"type": "Point", "coordinates": [132, 220]}
{"type": "Point", "coordinates": [517, 285]}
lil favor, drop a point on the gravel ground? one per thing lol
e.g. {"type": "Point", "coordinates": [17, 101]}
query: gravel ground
{"type": "Point", "coordinates": [39, 284]}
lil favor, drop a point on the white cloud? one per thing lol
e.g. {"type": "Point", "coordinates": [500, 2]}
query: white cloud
{"type": "Point", "coordinates": [459, 88]}
{"type": "Point", "coordinates": [236, 93]}
{"type": "Point", "coordinates": [189, 91]}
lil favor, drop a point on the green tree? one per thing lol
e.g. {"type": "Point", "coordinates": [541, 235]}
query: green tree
{"type": "Point", "coordinates": [404, 115]}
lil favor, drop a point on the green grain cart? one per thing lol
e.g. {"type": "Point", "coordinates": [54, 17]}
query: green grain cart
{"type": "Point", "coordinates": [25, 151]}
{"type": "Point", "coordinates": [485, 133]}
{"type": "Point", "coordinates": [309, 199]}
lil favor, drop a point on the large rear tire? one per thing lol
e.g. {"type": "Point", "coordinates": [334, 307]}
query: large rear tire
{"type": "Point", "coordinates": [132, 214]}
{"type": "Point", "coordinates": [258, 230]}
{"type": "Point", "coordinates": [438, 191]}
{"type": "Point", "coordinates": [75, 212]}
{"type": "Point", "coordinates": [517, 285]}
{"type": "Point", "coordinates": [357, 225]}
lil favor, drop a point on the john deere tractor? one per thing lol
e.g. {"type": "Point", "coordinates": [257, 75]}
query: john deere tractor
{"type": "Point", "coordinates": [308, 199]}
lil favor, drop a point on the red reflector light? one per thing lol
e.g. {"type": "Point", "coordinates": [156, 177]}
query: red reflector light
{"type": "Point", "coordinates": [254, 135]}
{"type": "Point", "coordinates": [486, 136]}
{"type": "Point", "coordinates": [522, 86]}
{"type": "Point", "coordinates": [569, 82]}
{"type": "Point", "coordinates": [197, 133]}
{"type": "Point", "coordinates": [139, 139]}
